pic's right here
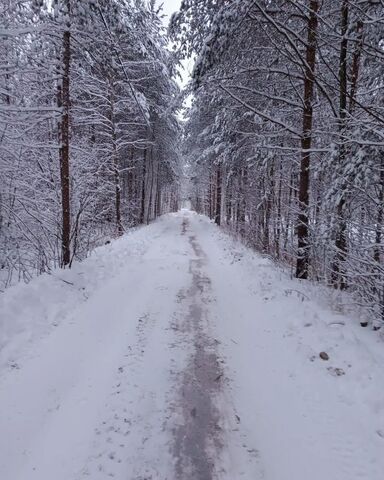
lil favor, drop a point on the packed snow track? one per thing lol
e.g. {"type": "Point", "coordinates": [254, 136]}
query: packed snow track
{"type": "Point", "coordinates": [175, 353]}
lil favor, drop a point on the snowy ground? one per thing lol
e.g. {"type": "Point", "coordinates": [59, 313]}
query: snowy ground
{"type": "Point", "coordinates": [174, 353]}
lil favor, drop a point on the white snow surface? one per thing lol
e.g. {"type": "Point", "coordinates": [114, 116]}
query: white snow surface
{"type": "Point", "coordinates": [91, 362]}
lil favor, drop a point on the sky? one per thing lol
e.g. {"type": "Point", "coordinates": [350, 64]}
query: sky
{"type": "Point", "coordinates": [169, 6]}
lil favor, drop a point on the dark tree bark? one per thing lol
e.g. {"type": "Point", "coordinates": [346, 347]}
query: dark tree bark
{"type": "Point", "coordinates": [218, 196]}
{"type": "Point", "coordinates": [356, 65]}
{"type": "Point", "coordinates": [338, 274]}
{"type": "Point", "coordinates": [302, 265]}
{"type": "Point", "coordinates": [228, 200]}
{"type": "Point", "coordinates": [158, 198]}
{"type": "Point", "coordinates": [380, 215]}
{"type": "Point", "coordinates": [278, 225]}
{"type": "Point", "coordinates": [269, 192]}
{"type": "Point", "coordinates": [210, 195]}
{"type": "Point", "coordinates": [143, 183]}
{"type": "Point", "coordinates": [152, 170]}
{"type": "Point", "coordinates": [115, 163]}
{"type": "Point", "coordinates": [242, 201]}
{"type": "Point", "coordinates": [64, 148]}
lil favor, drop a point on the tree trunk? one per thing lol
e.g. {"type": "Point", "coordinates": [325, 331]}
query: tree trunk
{"type": "Point", "coordinates": [269, 193]}
{"type": "Point", "coordinates": [356, 65]}
{"type": "Point", "coordinates": [144, 174]}
{"type": "Point", "coordinates": [212, 190]}
{"type": "Point", "coordinates": [218, 196]}
{"type": "Point", "coordinates": [380, 215]}
{"type": "Point", "coordinates": [243, 180]}
{"type": "Point", "coordinates": [64, 149]}
{"type": "Point", "coordinates": [151, 186]}
{"type": "Point", "coordinates": [278, 214]}
{"type": "Point", "coordinates": [302, 264]}
{"type": "Point", "coordinates": [228, 200]}
{"type": "Point", "coordinates": [338, 274]}
{"type": "Point", "coordinates": [158, 198]}
{"type": "Point", "coordinates": [115, 163]}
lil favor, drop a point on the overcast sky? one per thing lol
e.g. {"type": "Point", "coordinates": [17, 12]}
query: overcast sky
{"type": "Point", "coordinates": [169, 6]}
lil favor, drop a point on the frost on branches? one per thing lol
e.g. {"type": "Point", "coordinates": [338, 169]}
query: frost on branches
{"type": "Point", "coordinates": [88, 128]}
{"type": "Point", "coordinates": [285, 138]}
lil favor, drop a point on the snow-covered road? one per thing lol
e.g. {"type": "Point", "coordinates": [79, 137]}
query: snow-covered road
{"type": "Point", "coordinates": [177, 354]}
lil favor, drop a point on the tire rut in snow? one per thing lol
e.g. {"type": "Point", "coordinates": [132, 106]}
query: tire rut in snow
{"type": "Point", "coordinates": [197, 441]}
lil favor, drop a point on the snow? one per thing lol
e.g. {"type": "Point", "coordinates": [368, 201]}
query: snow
{"type": "Point", "coordinates": [94, 362]}
{"type": "Point", "coordinates": [304, 419]}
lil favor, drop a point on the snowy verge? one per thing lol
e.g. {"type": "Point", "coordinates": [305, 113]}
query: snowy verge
{"type": "Point", "coordinates": [306, 380]}
{"type": "Point", "coordinates": [30, 311]}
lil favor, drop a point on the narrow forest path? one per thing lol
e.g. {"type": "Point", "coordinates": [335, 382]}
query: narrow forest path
{"type": "Point", "coordinates": [191, 362]}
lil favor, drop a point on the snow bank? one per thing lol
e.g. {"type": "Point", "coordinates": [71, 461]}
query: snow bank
{"type": "Point", "coordinates": [307, 417]}
{"type": "Point", "coordinates": [90, 397]}
{"type": "Point", "coordinates": [30, 311]}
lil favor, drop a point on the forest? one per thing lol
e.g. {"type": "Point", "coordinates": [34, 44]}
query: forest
{"type": "Point", "coordinates": [191, 239]}
{"type": "Point", "coordinates": [282, 144]}
{"type": "Point", "coordinates": [88, 133]}
{"type": "Point", "coordinates": [285, 137]}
